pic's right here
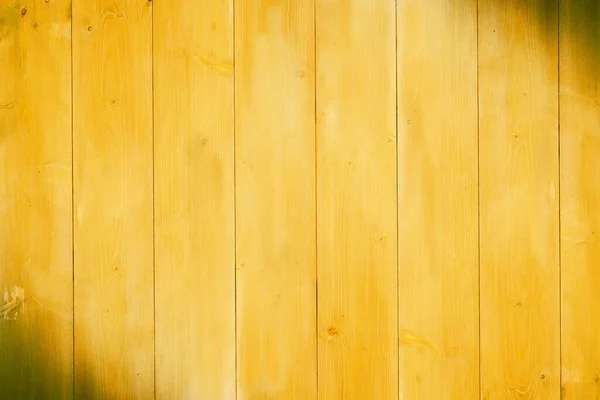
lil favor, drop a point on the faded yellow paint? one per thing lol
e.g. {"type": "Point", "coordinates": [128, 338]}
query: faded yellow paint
{"type": "Point", "coordinates": [36, 333]}
{"type": "Point", "coordinates": [275, 199]}
{"type": "Point", "coordinates": [308, 182]}
{"type": "Point", "coordinates": [113, 198]}
{"type": "Point", "coordinates": [580, 197]}
{"type": "Point", "coordinates": [518, 158]}
{"type": "Point", "coordinates": [356, 200]}
{"type": "Point", "coordinates": [194, 200]}
{"type": "Point", "coordinates": [437, 199]}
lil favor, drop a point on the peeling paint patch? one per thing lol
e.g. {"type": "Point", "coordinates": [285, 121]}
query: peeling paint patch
{"type": "Point", "coordinates": [61, 30]}
{"type": "Point", "coordinates": [14, 300]}
{"type": "Point", "coordinates": [571, 375]}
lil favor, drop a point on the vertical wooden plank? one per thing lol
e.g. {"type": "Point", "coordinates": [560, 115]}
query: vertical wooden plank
{"type": "Point", "coordinates": [580, 196]}
{"type": "Point", "coordinates": [518, 122]}
{"type": "Point", "coordinates": [194, 199]}
{"type": "Point", "coordinates": [438, 199]}
{"type": "Point", "coordinates": [275, 198]}
{"type": "Point", "coordinates": [357, 208]}
{"type": "Point", "coordinates": [112, 133]}
{"type": "Point", "coordinates": [36, 332]}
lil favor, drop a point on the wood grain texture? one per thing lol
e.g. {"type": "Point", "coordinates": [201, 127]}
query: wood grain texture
{"type": "Point", "coordinates": [275, 197]}
{"type": "Point", "coordinates": [356, 190]}
{"type": "Point", "coordinates": [580, 197]}
{"type": "Point", "coordinates": [518, 104]}
{"type": "Point", "coordinates": [36, 338]}
{"type": "Point", "coordinates": [194, 199]}
{"type": "Point", "coordinates": [438, 200]}
{"type": "Point", "coordinates": [112, 133]}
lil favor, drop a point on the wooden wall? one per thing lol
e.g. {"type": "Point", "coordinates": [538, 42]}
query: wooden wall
{"type": "Point", "coordinates": [300, 199]}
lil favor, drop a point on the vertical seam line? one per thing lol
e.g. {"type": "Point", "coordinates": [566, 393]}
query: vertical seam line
{"type": "Point", "coordinates": [478, 200]}
{"type": "Point", "coordinates": [153, 200]}
{"type": "Point", "coordinates": [559, 208]}
{"type": "Point", "coordinates": [316, 177]}
{"type": "Point", "coordinates": [397, 152]}
{"type": "Point", "coordinates": [235, 297]}
{"type": "Point", "coordinates": [72, 208]}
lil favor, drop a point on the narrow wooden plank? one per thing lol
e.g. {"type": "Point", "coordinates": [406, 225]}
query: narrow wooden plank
{"type": "Point", "coordinates": [275, 214]}
{"type": "Point", "coordinates": [36, 331]}
{"type": "Point", "coordinates": [112, 133]}
{"type": "Point", "coordinates": [357, 207]}
{"type": "Point", "coordinates": [580, 197]}
{"type": "Point", "coordinates": [194, 199]}
{"type": "Point", "coordinates": [438, 199]}
{"type": "Point", "coordinates": [518, 122]}
{"type": "Point", "coordinates": [275, 199]}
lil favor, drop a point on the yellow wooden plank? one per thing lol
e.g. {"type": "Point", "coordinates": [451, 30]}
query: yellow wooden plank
{"type": "Point", "coordinates": [518, 133]}
{"type": "Point", "coordinates": [112, 133]}
{"type": "Point", "coordinates": [438, 199]}
{"type": "Point", "coordinates": [580, 197]}
{"type": "Point", "coordinates": [275, 199]}
{"type": "Point", "coordinates": [194, 199]}
{"type": "Point", "coordinates": [36, 333]}
{"type": "Point", "coordinates": [357, 208]}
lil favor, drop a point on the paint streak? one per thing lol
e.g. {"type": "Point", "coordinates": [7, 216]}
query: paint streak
{"type": "Point", "coordinates": [410, 338]}
{"type": "Point", "coordinates": [224, 68]}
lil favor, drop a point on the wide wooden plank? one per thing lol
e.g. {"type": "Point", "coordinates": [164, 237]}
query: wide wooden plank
{"type": "Point", "coordinates": [518, 131]}
{"type": "Point", "coordinates": [36, 333]}
{"type": "Point", "coordinates": [438, 199]}
{"type": "Point", "coordinates": [194, 199]}
{"type": "Point", "coordinates": [356, 197]}
{"type": "Point", "coordinates": [112, 133]}
{"type": "Point", "coordinates": [580, 196]}
{"type": "Point", "coordinates": [275, 199]}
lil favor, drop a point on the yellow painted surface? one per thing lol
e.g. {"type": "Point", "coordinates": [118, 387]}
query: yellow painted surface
{"type": "Point", "coordinates": [113, 214]}
{"type": "Point", "coordinates": [580, 197]}
{"type": "Point", "coordinates": [437, 200]}
{"type": "Point", "coordinates": [194, 195]}
{"type": "Point", "coordinates": [356, 199]}
{"type": "Point", "coordinates": [299, 199]}
{"type": "Point", "coordinates": [275, 199]}
{"type": "Point", "coordinates": [518, 158]}
{"type": "Point", "coordinates": [36, 337]}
